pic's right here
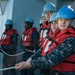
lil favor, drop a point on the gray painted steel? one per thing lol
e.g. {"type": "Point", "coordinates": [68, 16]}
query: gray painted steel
{"type": "Point", "coordinates": [1, 61]}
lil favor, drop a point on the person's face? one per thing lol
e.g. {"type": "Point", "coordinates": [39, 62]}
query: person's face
{"type": "Point", "coordinates": [63, 23]}
{"type": "Point", "coordinates": [54, 26]}
{"type": "Point", "coordinates": [44, 19]}
{"type": "Point", "coordinates": [48, 15]}
{"type": "Point", "coordinates": [27, 26]}
{"type": "Point", "coordinates": [8, 27]}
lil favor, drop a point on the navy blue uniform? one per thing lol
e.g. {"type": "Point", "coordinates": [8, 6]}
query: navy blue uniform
{"type": "Point", "coordinates": [64, 50]}
{"type": "Point", "coordinates": [35, 37]}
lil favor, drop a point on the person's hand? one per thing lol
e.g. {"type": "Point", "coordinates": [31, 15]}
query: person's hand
{"type": "Point", "coordinates": [20, 66]}
{"type": "Point", "coordinates": [27, 50]}
{"type": "Point", "coordinates": [23, 65]}
{"type": "Point", "coordinates": [28, 64]}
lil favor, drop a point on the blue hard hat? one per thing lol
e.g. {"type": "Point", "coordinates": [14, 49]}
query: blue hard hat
{"type": "Point", "coordinates": [66, 12]}
{"type": "Point", "coordinates": [49, 7]}
{"type": "Point", "coordinates": [29, 19]}
{"type": "Point", "coordinates": [9, 22]}
{"type": "Point", "coordinates": [53, 17]}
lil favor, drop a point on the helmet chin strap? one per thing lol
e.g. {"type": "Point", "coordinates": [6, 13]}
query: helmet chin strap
{"type": "Point", "coordinates": [70, 23]}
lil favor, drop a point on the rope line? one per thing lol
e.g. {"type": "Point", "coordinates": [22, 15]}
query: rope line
{"type": "Point", "coordinates": [16, 54]}
{"type": "Point", "coordinates": [7, 68]}
{"type": "Point", "coordinates": [12, 55]}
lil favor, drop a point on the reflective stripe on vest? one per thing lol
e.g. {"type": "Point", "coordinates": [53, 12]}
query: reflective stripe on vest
{"type": "Point", "coordinates": [45, 46]}
{"type": "Point", "coordinates": [43, 33]}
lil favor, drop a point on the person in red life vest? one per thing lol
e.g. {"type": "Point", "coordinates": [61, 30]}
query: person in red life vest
{"type": "Point", "coordinates": [29, 42]}
{"type": "Point", "coordinates": [48, 10]}
{"type": "Point", "coordinates": [61, 57]}
{"type": "Point", "coordinates": [48, 39]}
{"type": "Point", "coordinates": [54, 24]}
{"type": "Point", "coordinates": [42, 35]}
{"type": "Point", "coordinates": [9, 42]}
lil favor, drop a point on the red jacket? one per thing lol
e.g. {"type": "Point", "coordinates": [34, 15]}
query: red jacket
{"type": "Point", "coordinates": [27, 37]}
{"type": "Point", "coordinates": [6, 38]}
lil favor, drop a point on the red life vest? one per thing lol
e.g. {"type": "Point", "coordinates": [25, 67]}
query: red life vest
{"type": "Point", "coordinates": [45, 46]}
{"type": "Point", "coordinates": [48, 42]}
{"type": "Point", "coordinates": [63, 66]}
{"type": "Point", "coordinates": [43, 32]}
{"type": "Point", "coordinates": [27, 37]}
{"type": "Point", "coordinates": [6, 38]}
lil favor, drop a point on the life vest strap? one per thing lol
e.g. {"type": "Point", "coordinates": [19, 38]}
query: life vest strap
{"type": "Point", "coordinates": [65, 61]}
{"type": "Point", "coordinates": [49, 38]}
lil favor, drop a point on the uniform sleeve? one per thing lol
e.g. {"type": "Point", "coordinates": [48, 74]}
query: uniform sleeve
{"type": "Point", "coordinates": [36, 55]}
{"type": "Point", "coordinates": [63, 51]}
{"type": "Point", "coordinates": [35, 37]}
